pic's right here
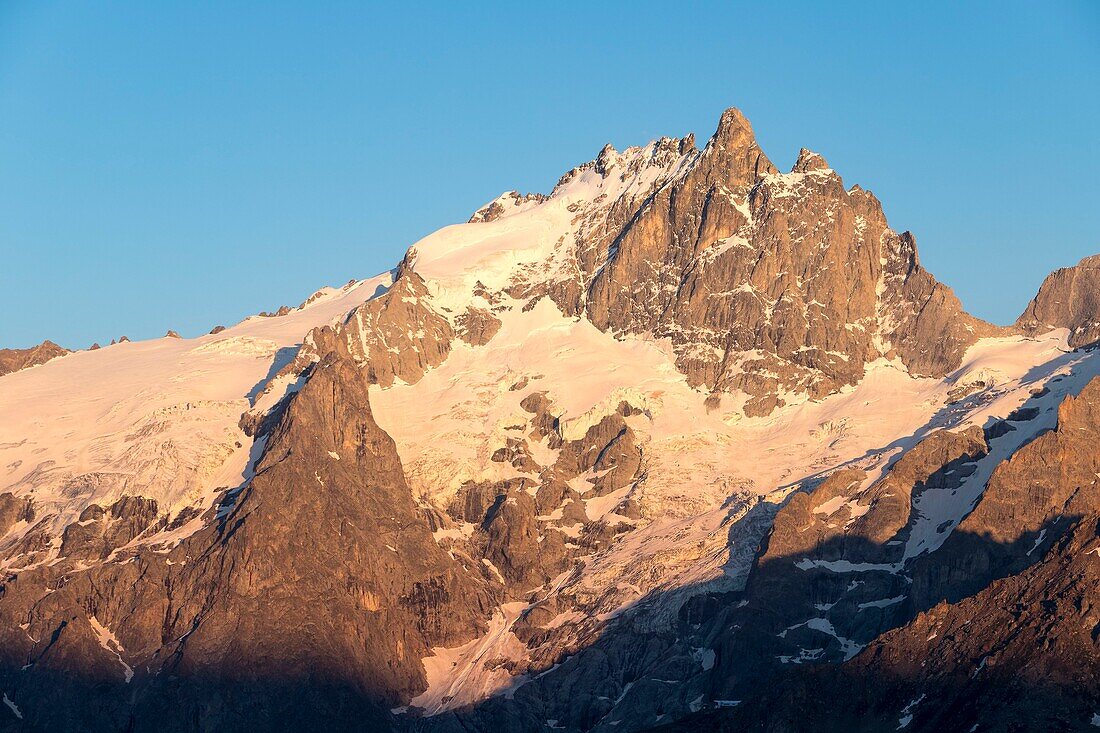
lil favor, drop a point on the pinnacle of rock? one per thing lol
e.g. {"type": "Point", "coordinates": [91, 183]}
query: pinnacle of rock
{"type": "Point", "coordinates": [733, 129]}
{"type": "Point", "coordinates": [606, 159]}
{"type": "Point", "coordinates": [809, 161]}
{"type": "Point", "coordinates": [732, 153]}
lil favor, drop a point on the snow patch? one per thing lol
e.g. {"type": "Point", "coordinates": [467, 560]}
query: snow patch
{"type": "Point", "coordinates": [108, 641]}
{"type": "Point", "coordinates": [12, 706]}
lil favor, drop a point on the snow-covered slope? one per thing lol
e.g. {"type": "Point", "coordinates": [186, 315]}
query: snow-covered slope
{"type": "Point", "coordinates": [705, 468]}
{"type": "Point", "coordinates": [158, 419]}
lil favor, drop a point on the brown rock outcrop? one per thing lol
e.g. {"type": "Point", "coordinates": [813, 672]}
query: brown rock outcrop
{"type": "Point", "coordinates": [99, 530]}
{"type": "Point", "coordinates": [398, 335]}
{"type": "Point", "coordinates": [477, 326]}
{"type": "Point", "coordinates": [1068, 298]}
{"type": "Point", "coordinates": [12, 360]}
{"type": "Point", "coordinates": [14, 509]}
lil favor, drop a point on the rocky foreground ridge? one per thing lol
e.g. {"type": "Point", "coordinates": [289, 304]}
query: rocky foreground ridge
{"type": "Point", "coordinates": [688, 443]}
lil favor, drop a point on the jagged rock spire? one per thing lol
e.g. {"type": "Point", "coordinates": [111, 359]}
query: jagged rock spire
{"type": "Point", "coordinates": [733, 153]}
{"type": "Point", "coordinates": [809, 161]}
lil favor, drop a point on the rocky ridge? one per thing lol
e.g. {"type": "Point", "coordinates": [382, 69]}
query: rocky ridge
{"type": "Point", "coordinates": [12, 360]}
{"type": "Point", "coordinates": [766, 283]}
{"type": "Point", "coordinates": [1068, 298]}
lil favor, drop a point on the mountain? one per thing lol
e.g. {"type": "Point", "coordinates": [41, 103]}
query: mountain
{"type": "Point", "coordinates": [12, 360]}
{"type": "Point", "coordinates": [687, 442]}
{"type": "Point", "coordinates": [1068, 298]}
{"type": "Point", "coordinates": [1005, 634]}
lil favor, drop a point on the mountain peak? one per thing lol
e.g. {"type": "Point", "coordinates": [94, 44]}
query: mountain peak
{"type": "Point", "coordinates": [733, 126]}
{"type": "Point", "coordinates": [733, 153]}
{"type": "Point", "coordinates": [1068, 298]}
{"type": "Point", "coordinates": [606, 159]}
{"type": "Point", "coordinates": [12, 360]}
{"type": "Point", "coordinates": [809, 161]}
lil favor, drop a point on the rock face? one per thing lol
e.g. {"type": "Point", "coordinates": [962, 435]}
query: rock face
{"type": "Point", "coordinates": [398, 335]}
{"type": "Point", "coordinates": [98, 531]}
{"type": "Point", "coordinates": [1028, 500]}
{"type": "Point", "coordinates": [831, 575]}
{"type": "Point", "coordinates": [1019, 655]}
{"type": "Point", "coordinates": [530, 529]}
{"type": "Point", "coordinates": [766, 283]}
{"type": "Point", "coordinates": [1068, 298]}
{"type": "Point", "coordinates": [14, 509]}
{"type": "Point", "coordinates": [12, 360]}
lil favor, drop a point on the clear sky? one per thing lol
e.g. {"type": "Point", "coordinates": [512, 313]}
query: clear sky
{"type": "Point", "coordinates": [184, 164]}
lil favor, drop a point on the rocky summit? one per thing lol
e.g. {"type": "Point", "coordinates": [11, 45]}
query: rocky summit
{"type": "Point", "coordinates": [687, 443]}
{"type": "Point", "coordinates": [12, 360]}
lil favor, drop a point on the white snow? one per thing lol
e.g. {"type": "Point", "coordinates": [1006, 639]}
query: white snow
{"type": "Point", "coordinates": [493, 568]}
{"type": "Point", "coordinates": [462, 531]}
{"type": "Point", "coordinates": [1038, 541]}
{"type": "Point", "coordinates": [108, 641]}
{"type": "Point", "coordinates": [459, 676]}
{"type": "Point", "coordinates": [848, 647]}
{"type": "Point", "coordinates": [980, 667]}
{"type": "Point", "coordinates": [846, 566]}
{"type": "Point", "coordinates": [882, 602]}
{"type": "Point", "coordinates": [803, 656]}
{"type": "Point", "coordinates": [155, 418]}
{"type": "Point", "coordinates": [906, 714]}
{"type": "Point", "coordinates": [12, 706]}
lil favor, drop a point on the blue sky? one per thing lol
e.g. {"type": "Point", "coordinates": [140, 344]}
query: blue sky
{"type": "Point", "coordinates": [181, 165]}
